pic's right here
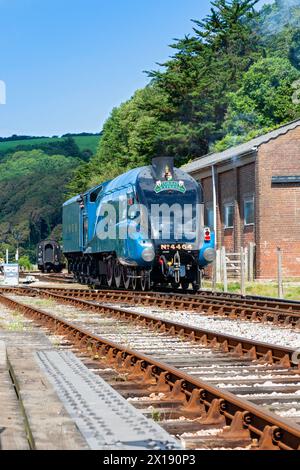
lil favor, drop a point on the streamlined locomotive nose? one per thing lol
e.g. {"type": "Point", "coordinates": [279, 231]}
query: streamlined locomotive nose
{"type": "Point", "coordinates": [164, 250]}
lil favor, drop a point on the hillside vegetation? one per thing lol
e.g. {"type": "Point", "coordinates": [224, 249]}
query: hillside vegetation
{"type": "Point", "coordinates": [31, 193]}
{"type": "Point", "coordinates": [229, 81]}
{"type": "Point", "coordinates": [34, 173]}
{"type": "Point", "coordinates": [87, 144]}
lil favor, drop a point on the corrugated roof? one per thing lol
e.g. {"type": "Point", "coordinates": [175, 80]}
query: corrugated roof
{"type": "Point", "coordinates": [240, 150]}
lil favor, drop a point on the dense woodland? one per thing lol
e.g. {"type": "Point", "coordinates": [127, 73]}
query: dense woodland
{"type": "Point", "coordinates": [33, 183]}
{"type": "Point", "coordinates": [233, 78]}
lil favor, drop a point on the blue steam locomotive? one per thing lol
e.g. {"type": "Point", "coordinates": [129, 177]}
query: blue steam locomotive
{"type": "Point", "coordinates": [142, 230]}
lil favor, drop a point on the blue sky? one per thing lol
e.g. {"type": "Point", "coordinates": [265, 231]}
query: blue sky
{"type": "Point", "coordinates": [67, 63]}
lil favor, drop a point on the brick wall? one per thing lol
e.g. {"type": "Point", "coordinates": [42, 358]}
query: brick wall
{"type": "Point", "coordinates": [278, 206]}
{"type": "Point", "coordinates": [232, 186]}
{"type": "Point", "coordinates": [246, 189]}
{"type": "Point", "coordinates": [227, 194]}
{"type": "Point", "coordinates": [207, 190]}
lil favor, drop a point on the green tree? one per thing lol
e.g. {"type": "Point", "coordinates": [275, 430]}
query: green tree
{"type": "Point", "coordinates": [263, 101]}
{"type": "Point", "coordinates": [278, 27]}
{"type": "Point", "coordinates": [131, 136]}
{"type": "Point", "coordinates": [204, 69]}
{"type": "Point", "coordinates": [32, 186]}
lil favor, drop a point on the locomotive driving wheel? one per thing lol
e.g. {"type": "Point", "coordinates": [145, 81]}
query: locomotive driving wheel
{"type": "Point", "coordinates": [135, 280]}
{"type": "Point", "coordinates": [110, 272]}
{"type": "Point", "coordinates": [196, 287]}
{"type": "Point", "coordinates": [145, 280]}
{"type": "Point", "coordinates": [118, 274]}
{"type": "Point", "coordinates": [126, 277]}
{"type": "Point", "coordinates": [175, 285]}
{"type": "Point", "coordinates": [101, 280]}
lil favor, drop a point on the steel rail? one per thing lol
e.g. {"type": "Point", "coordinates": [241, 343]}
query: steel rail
{"type": "Point", "coordinates": [268, 301]}
{"type": "Point", "coordinates": [272, 307]}
{"type": "Point", "coordinates": [209, 306]}
{"type": "Point", "coordinates": [254, 300]}
{"type": "Point", "coordinates": [54, 277]}
{"type": "Point", "coordinates": [260, 423]}
{"type": "Point", "coordinates": [261, 303]}
{"type": "Point", "coordinates": [250, 349]}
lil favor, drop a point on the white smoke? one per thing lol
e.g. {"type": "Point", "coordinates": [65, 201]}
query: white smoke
{"type": "Point", "coordinates": [284, 13]}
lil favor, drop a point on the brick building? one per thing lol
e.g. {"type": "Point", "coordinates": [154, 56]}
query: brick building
{"type": "Point", "coordinates": [252, 195]}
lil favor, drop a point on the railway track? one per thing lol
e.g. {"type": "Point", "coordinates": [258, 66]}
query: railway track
{"type": "Point", "coordinates": [292, 305]}
{"type": "Point", "coordinates": [253, 349]}
{"type": "Point", "coordinates": [158, 353]}
{"type": "Point", "coordinates": [59, 278]}
{"type": "Point", "coordinates": [241, 308]}
{"type": "Point", "coordinates": [250, 300]}
{"type": "Point", "coordinates": [202, 325]}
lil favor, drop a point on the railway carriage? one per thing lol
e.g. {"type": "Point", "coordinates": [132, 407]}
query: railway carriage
{"type": "Point", "coordinates": [50, 256]}
{"type": "Point", "coordinates": [124, 232]}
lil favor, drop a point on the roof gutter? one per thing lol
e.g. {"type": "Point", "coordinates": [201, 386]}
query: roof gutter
{"type": "Point", "coordinates": [217, 162]}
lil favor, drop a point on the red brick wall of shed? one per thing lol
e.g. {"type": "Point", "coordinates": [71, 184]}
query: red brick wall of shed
{"type": "Point", "coordinates": [207, 190]}
{"type": "Point", "coordinates": [226, 193]}
{"type": "Point", "coordinates": [278, 206]}
{"type": "Point", "coordinates": [230, 189]}
{"type": "Point", "coordinates": [246, 188]}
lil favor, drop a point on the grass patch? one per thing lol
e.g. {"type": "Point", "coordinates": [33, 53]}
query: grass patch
{"type": "Point", "coordinates": [263, 289]}
{"type": "Point", "coordinates": [16, 325]}
{"type": "Point", "coordinates": [44, 302]}
{"type": "Point", "coordinates": [120, 378]}
{"type": "Point", "coordinates": [291, 293]}
{"type": "Point", "coordinates": [156, 416]}
{"type": "Point", "coordinates": [11, 144]}
{"type": "Point", "coordinates": [56, 343]}
{"type": "Point", "coordinates": [14, 313]}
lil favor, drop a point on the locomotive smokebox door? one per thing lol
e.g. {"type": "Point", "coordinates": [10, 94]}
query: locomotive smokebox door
{"type": "Point", "coordinates": [163, 168]}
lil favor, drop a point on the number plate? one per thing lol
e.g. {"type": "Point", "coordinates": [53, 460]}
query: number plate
{"type": "Point", "coordinates": [177, 246]}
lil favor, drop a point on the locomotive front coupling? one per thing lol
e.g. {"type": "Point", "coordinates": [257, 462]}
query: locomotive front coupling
{"type": "Point", "coordinates": [172, 268]}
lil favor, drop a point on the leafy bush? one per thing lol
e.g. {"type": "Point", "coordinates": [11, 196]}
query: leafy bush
{"type": "Point", "coordinates": [24, 262]}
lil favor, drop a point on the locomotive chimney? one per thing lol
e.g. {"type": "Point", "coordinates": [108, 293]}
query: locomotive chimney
{"type": "Point", "coordinates": [163, 168]}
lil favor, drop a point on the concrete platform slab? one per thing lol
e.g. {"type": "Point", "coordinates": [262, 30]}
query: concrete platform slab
{"type": "Point", "coordinates": [49, 423]}
{"type": "Point", "coordinates": [106, 419]}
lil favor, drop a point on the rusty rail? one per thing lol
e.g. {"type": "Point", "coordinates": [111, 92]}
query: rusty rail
{"type": "Point", "coordinates": [241, 347]}
{"type": "Point", "coordinates": [273, 302]}
{"type": "Point", "coordinates": [272, 431]}
{"type": "Point", "coordinates": [211, 306]}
